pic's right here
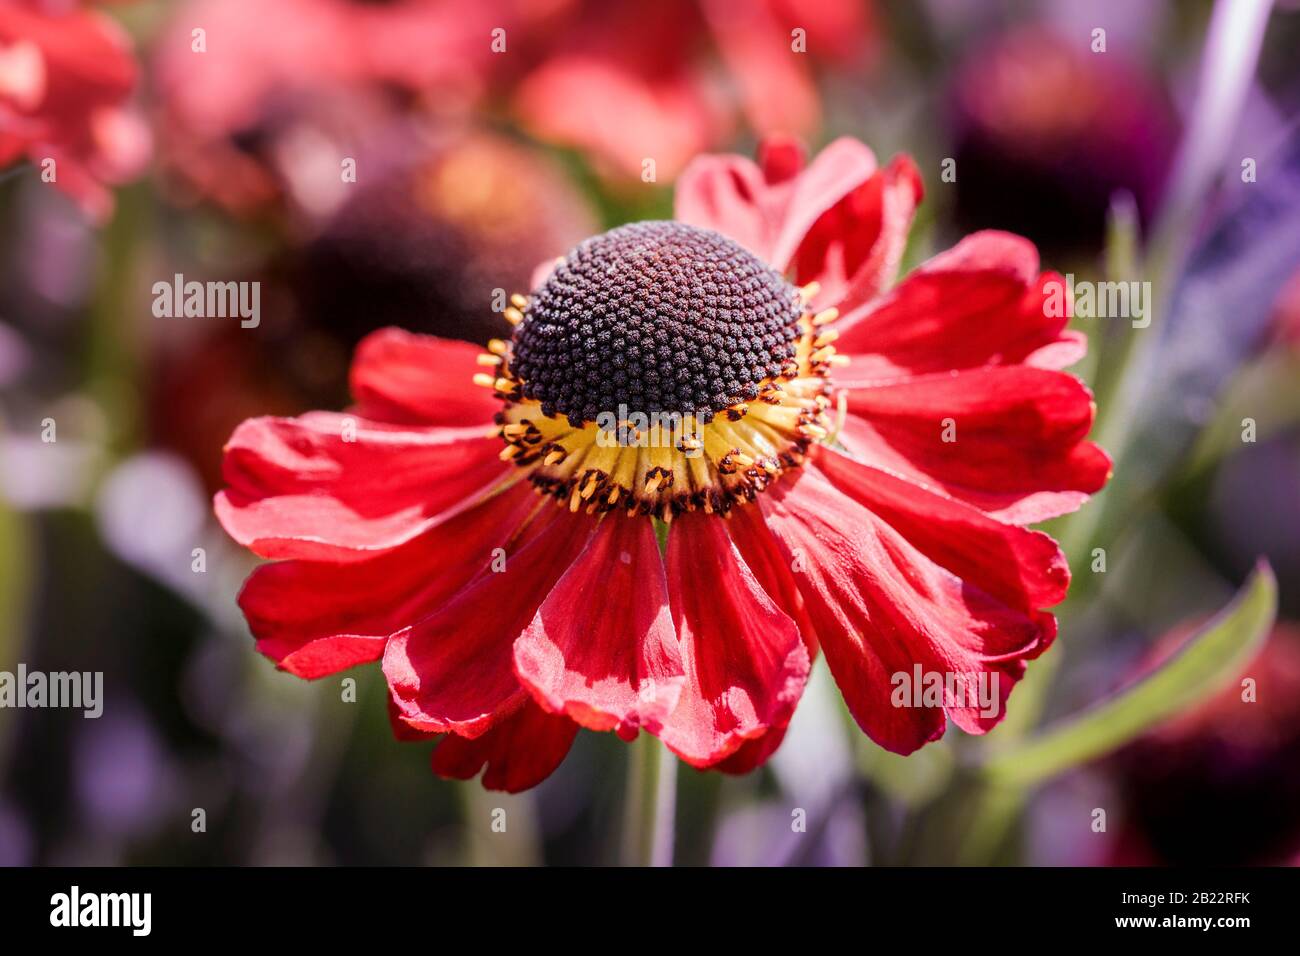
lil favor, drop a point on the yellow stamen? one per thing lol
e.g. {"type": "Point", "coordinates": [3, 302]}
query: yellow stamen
{"type": "Point", "coordinates": [688, 465]}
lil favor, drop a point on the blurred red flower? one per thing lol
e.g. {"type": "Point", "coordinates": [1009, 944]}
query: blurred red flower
{"type": "Point", "coordinates": [620, 81]}
{"type": "Point", "coordinates": [270, 90]}
{"type": "Point", "coordinates": [65, 78]}
{"type": "Point", "coordinates": [408, 532]}
{"type": "Point", "coordinates": [627, 82]}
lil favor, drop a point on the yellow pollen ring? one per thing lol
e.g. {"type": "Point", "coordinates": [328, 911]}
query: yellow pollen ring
{"type": "Point", "coordinates": [666, 464]}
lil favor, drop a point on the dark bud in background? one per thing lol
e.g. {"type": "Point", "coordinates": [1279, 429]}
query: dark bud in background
{"type": "Point", "coordinates": [425, 244]}
{"type": "Point", "coordinates": [1045, 132]}
{"type": "Point", "coordinates": [1221, 785]}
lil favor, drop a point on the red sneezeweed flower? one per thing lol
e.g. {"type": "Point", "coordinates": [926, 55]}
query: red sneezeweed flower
{"type": "Point", "coordinates": [65, 78]}
{"type": "Point", "coordinates": [809, 497]}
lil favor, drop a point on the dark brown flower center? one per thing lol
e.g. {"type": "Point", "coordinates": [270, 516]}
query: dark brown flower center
{"type": "Point", "coordinates": [655, 317]}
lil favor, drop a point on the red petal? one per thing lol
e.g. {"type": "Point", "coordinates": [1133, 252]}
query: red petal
{"type": "Point", "coordinates": [1024, 569]}
{"type": "Point", "coordinates": [1068, 348]}
{"type": "Point", "coordinates": [762, 555]}
{"type": "Point", "coordinates": [881, 608]}
{"type": "Point", "coordinates": [298, 489]}
{"type": "Point", "coordinates": [781, 157]}
{"type": "Point", "coordinates": [837, 170]}
{"type": "Point", "coordinates": [854, 249]}
{"type": "Point", "coordinates": [745, 663]}
{"type": "Point", "coordinates": [602, 648]}
{"type": "Point", "coordinates": [410, 379]}
{"type": "Point", "coordinates": [316, 618]}
{"type": "Point", "coordinates": [325, 655]}
{"type": "Point", "coordinates": [980, 303]}
{"type": "Point", "coordinates": [731, 195]}
{"type": "Point", "coordinates": [401, 729]}
{"type": "Point", "coordinates": [1019, 451]}
{"type": "Point", "coordinates": [519, 752]}
{"type": "Point", "coordinates": [752, 753]}
{"type": "Point", "coordinates": [452, 671]}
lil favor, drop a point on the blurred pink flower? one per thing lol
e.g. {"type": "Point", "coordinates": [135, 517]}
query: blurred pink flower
{"type": "Point", "coordinates": [620, 81]}
{"type": "Point", "coordinates": [275, 76]}
{"type": "Point", "coordinates": [65, 78]}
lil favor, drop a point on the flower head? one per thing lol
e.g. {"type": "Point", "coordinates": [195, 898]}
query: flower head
{"type": "Point", "coordinates": [661, 368]}
{"type": "Point", "coordinates": [65, 78]}
{"type": "Point", "coordinates": [832, 465]}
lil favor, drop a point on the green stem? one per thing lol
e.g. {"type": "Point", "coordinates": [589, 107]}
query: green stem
{"type": "Point", "coordinates": [650, 804]}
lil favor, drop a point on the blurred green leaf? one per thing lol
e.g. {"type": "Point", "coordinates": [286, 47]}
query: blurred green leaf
{"type": "Point", "coordinates": [1210, 659]}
